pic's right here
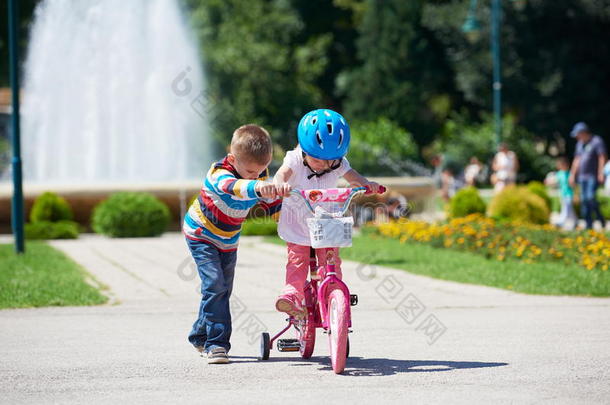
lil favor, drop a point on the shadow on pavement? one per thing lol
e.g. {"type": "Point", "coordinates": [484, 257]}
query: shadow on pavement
{"type": "Point", "coordinates": [365, 367]}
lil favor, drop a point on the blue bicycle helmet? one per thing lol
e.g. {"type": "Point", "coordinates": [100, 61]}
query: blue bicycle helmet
{"type": "Point", "coordinates": [324, 134]}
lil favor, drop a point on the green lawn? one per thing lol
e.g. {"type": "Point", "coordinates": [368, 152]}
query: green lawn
{"type": "Point", "coordinates": [534, 278]}
{"type": "Point", "coordinates": [43, 277]}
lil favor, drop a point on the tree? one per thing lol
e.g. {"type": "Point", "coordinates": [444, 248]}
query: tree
{"type": "Point", "coordinates": [336, 22]}
{"type": "Point", "coordinates": [369, 151]}
{"type": "Point", "coordinates": [403, 73]}
{"type": "Point", "coordinates": [553, 62]}
{"type": "Point", "coordinates": [256, 69]}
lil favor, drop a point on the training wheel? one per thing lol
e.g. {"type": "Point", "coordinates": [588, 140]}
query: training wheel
{"type": "Point", "coordinates": [265, 346]}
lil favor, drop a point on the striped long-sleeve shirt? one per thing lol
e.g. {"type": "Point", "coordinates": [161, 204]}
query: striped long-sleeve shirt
{"type": "Point", "coordinates": [222, 205]}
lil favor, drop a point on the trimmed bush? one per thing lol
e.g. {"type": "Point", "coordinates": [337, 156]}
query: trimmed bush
{"type": "Point", "coordinates": [130, 214]}
{"type": "Point", "coordinates": [259, 226]}
{"type": "Point", "coordinates": [49, 207]}
{"type": "Point", "coordinates": [465, 202]}
{"type": "Point", "coordinates": [51, 230]}
{"type": "Point", "coordinates": [51, 218]}
{"type": "Point", "coordinates": [519, 204]}
{"type": "Point", "coordinates": [539, 189]}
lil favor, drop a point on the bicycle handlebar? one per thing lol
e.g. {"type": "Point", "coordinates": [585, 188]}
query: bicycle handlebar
{"type": "Point", "coordinates": [344, 195]}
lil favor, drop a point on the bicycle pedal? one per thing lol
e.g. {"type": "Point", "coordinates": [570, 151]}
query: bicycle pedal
{"type": "Point", "coordinates": [353, 299]}
{"type": "Point", "coordinates": [288, 345]}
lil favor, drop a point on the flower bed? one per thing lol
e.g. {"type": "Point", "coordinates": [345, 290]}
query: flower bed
{"type": "Point", "coordinates": [501, 241]}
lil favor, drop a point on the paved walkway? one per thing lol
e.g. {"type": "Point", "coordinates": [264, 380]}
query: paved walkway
{"type": "Point", "coordinates": [415, 339]}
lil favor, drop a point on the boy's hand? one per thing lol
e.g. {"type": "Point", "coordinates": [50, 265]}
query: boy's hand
{"type": "Point", "coordinates": [374, 187]}
{"type": "Point", "coordinates": [283, 189]}
{"type": "Point", "coordinates": [266, 190]}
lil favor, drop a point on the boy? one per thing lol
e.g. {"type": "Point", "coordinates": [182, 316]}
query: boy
{"type": "Point", "coordinates": [212, 225]}
{"type": "Point", "coordinates": [567, 217]}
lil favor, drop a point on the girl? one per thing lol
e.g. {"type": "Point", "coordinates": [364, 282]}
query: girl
{"type": "Point", "coordinates": [317, 162]}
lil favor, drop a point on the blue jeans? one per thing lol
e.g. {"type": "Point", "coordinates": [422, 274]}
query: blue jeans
{"type": "Point", "coordinates": [588, 201]}
{"type": "Point", "coordinates": [216, 270]}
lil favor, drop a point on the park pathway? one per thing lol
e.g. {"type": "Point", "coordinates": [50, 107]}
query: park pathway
{"type": "Point", "coordinates": [415, 339]}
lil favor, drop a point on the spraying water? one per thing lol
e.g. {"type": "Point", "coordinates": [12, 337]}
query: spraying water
{"type": "Point", "coordinates": [110, 94]}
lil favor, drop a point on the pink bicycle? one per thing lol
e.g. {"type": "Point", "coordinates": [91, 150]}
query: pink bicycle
{"type": "Point", "coordinates": [327, 298]}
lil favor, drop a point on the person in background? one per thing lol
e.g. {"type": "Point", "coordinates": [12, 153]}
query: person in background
{"type": "Point", "coordinates": [437, 163]}
{"type": "Point", "coordinates": [448, 184]}
{"type": "Point", "coordinates": [567, 216]}
{"type": "Point", "coordinates": [505, 166]}
{"type": "Point", "coordinates": [588, 171]}
{"type": "Point", "coordinates": [472, 171]}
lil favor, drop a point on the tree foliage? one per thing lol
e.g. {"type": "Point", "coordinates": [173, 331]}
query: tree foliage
{"type": "Point", "coordinates": [553, 62]}
{"type": "Point", "coordinates": [381, 147]}
{"type": "Point", "coordinates": [402, 74]}
{"type": "Point", "coordinates": [257, 69]}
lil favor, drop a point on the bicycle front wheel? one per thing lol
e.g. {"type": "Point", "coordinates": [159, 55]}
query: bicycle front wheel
{"type": "Point", "coordinates": [338, 329]}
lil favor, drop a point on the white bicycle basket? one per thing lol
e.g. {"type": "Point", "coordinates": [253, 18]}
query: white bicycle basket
{"type": "Point", "coordinates": [330, 232]}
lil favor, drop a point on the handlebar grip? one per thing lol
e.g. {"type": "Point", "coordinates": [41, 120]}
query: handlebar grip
{"type": "Point", "coordinates": [382, 189]}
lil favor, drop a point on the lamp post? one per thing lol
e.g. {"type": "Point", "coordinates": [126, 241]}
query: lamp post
{"type": "Point", "coordinates": [471, 27]}
{"type": "Point", "coordinates": [17, 211]}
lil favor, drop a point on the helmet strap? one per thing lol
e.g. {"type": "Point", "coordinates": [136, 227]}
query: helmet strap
{"type": "Point", "coordinates": [334, 166]}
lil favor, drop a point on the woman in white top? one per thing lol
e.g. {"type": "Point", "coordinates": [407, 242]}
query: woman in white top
{"type": "Point", "coordinates": [505, 166]}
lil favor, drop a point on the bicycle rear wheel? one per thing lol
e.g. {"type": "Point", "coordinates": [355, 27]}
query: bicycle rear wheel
{"type": "Point", "coordinates": [338, 329]}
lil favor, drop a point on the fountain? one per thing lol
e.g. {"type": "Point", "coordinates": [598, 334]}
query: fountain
{"type": "Point", "coordinates": [105, 98]}
{"type": "Point", "coordinates": [114, 99]}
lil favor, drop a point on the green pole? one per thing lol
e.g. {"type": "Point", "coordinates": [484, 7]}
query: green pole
{"type": "Point", "coordinates": [496, 17]}
{"type": "Point", "coordinates": [17, 211]}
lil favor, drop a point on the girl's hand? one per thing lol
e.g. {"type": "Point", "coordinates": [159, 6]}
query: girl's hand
{"type": "Point", "coordinates": [266, 190]}
{"type": "Point", "coordinates": [283, 189]}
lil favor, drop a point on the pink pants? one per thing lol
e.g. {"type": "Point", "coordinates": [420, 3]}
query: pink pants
{"type": "Point", "coordinates": [297, 268]}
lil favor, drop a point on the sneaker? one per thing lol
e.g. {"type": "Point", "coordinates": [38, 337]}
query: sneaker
{"type": "Point", "coordinates": [290, 305]}
{"type": "Point", "coordinates": [217, 355]}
